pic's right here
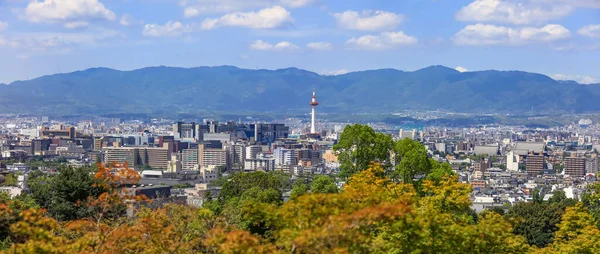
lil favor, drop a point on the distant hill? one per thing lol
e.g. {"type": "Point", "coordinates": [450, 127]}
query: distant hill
{"type": "Point", "coordinates": [226, 88]}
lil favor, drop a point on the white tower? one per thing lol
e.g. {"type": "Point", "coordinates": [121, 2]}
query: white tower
{"type": "Point", "coordinates": [313, 103]}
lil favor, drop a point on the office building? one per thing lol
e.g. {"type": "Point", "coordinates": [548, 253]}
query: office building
{"type": "Point", "coordinates": [284, 156]}
{"type": "Point", "coordinates": [155, 157]}
{"type": "Point", "coordinates": [534, 164]}
{"type": "Point", "coordinates": [212, 156]}
{"type": "Point", "coordinates": [129, 155]}
{"type": "Point", "coordinates": [135, 157]}
{"type": "Point", "coordinates": [252, 151]}
{"type": "Point", "coordinates": [61, 132]}
{"type": "Point", "coordinates": [591, 165]}
{"type": "Point", "coordinates": [512, 161]}
{"type": "Point", "coordinates": [574, 166]}
{"type": "Point", "coordinates": [189, 159]}
{"type": "Point", "coordinates": [186, 130]}
{"type": "Point", "coordinates": [263, 164]}
{"type": "Point", "coordinates": [268, 133]}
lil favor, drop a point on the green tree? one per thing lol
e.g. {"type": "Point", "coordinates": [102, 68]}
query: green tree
{"type": "Point", "coordinates": [323, 184]}
{"type": "Point", "coordinates": [439, 171]}
{"type": "Point", "coordinates": [9, 180]}
{"type": "Point", "coordinates": [358, 146]}
{"type": "Point", "coordinates": [414, 162]}
{"type": "Point", "coordinates": [536, 221]}
{"type": "Point", "coordinates": [298, 189]}
{"type": "Point", "coordinates": [241, 182]}
{"type": "Point", "coordinates": [65, 194]}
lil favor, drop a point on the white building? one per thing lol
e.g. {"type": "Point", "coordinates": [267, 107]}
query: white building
{"type": "Point", "coordinates": [209, 174]}
{"type": "Point", "coordinates": [259, 164]}
{"type": "Point", "coordinates": [512, 161]}
{"type": "Point", "coordinates": [284, 156]}
{"type": "Point", "coordinates": [252, 151]}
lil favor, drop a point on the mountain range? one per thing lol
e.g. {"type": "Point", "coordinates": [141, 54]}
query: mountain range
{"type": "Point", "coordinates": [227, 88]}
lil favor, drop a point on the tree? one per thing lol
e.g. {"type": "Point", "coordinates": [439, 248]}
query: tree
{"type": "Point", "coordinates": [537, 222]}
{"type": "Point", "coordinates": [298, 189]}
{"type": "Point", "coordinates": [238, 183]}
{"type": "Point", "coordinates": [439, 171]}
{"type": "Point", "coordinates": [9, 180]}
{"type": "Point", "coordinates": [358, 146]}
{"type": "Point", "coordinates": [414, 162]}
{"type": "Point", "coordinates": [65, 194]}
{"type": "Point", "coordinates": [577, 232]}
{"type": "Point", "coordinates": [323, 184]}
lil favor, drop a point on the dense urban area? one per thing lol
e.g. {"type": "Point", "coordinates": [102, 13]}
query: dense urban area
{"type": "Point", "coordinates": [248, 177]}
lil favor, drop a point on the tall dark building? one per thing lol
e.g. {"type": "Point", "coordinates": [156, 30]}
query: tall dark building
{"type": "Point", "coordinates": [534, 164]}
{"type": "Point", "coordinates": [267, 133]}
{"type": "Point", "coordinates": [575, 166]}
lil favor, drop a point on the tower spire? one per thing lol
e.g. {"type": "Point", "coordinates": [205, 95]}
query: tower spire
{"type": "Point", "coordinates": [313, 103]}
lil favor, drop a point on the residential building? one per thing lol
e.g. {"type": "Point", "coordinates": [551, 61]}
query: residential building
{"type": "Point", "coordinates": [574, 166]}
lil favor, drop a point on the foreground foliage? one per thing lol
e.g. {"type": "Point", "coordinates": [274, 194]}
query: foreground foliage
{"type": "Point", "coordinates": [371, 214]}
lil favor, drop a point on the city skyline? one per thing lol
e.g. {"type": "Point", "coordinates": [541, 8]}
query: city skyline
{"type": "Point", "coordinates": [322, 36]}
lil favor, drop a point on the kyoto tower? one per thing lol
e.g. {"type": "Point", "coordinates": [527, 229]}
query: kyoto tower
{"type": "Point", "coordinates": [313, 103]}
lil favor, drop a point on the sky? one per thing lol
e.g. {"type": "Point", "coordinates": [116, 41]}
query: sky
{"type": "Point", "coordinates": [559, 38]}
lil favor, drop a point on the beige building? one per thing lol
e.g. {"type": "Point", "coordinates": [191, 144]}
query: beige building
{"type": "Point", "coordinates": [135, 157]}
{"type": "Point", "coordinates": [329, 156]}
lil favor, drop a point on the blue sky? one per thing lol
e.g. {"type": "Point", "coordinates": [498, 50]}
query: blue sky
{"type": "Point", "coordinates": [560, 38]}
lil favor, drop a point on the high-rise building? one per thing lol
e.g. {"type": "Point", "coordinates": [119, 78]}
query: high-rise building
{"type": "Point", "coordinates": [189, 159]}
{"type": "Point", "coordinates": [591, 165]}
{"type": "Point", "coordinates": [98, 144]}
{"type": "Point", "coordinates": [263, 164]}
{"type": "Point", "coordinates": [284, 156]}
{"type": "Point", "coordinates": [252, 151]}
{"type": "Point", "coordinates": [155, 157]}
{"type": "Point", "coordinates": [268, 133]}
{"type": "Point", "coordinates": [237, 155]}
{"type": "Point", "coordinates": [60, 132]}
{"type": "Point", "coordinates": [534, 164]}
{"type": "Point", "coordinates": [212, 156]}
{"type": "Point", "coordinates": [482, 165]}
{"type": "Point", "coordinates": [129, 155]}
{"type": "Point", "coordinates": [574, 166]}
{"type": "Point", "coordinates": [407, 134]}
{"type": "Point", "coordinates": [512, 161]}
{"type": "Point", "coordinates": [186, 130]}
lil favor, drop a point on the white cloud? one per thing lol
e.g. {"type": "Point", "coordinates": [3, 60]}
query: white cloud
{"type": "Point", "coordinates": [461, 69]}
{"type": "Point", "coordinates": [281, 46]}
{"type": "Point", "coordinates": [590, 31]}
{"type": "Point", "coordinates": [76, 24]}
{"type": "Point", "coordinates": [482, 34]}
{"type": "Point", "coordinates": [128, 20]}
{"type": "Point", "coordinates": [577, 78]}
{"type": "Point", "coordinates": [335, 72]}
{"type": "Point", "coordinates": [368, 20]}
{"type": "Point", "coordinates": [3, 26]}
{"type": "Point", "coordinates": [171, 29]}
{"type": "Point", "coordinates": [320, 46]}
{"type": "Point", "coordinates": [70, 12]}
{"type": "Point", "coordinates": [381, 41]}
{"type": "Point", "coordinates": [22, 57]}
{"type": "Point", "coordinates": [273, 17]}
{"type": "Point", "coordinates": [515, 12]}
{"type": "Point", "coordinates": [199, 7]}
